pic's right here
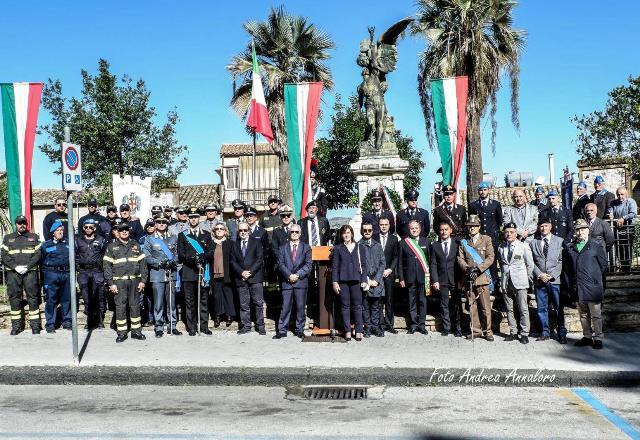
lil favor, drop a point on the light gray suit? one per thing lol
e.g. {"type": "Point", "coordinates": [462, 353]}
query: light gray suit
{"type": "Point", "coordinates": [524, 218]}
{"type": "Point", "coordinates": [552, 263]}
{"type": "Point", "coordinates": [516, 272]}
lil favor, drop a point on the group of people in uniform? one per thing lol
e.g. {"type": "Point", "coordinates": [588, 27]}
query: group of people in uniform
{"type": "Point", "coordinates": [196, 267]}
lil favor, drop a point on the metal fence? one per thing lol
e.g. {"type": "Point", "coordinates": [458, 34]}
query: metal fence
{"type": "Point", "coordinates": [623, 255]}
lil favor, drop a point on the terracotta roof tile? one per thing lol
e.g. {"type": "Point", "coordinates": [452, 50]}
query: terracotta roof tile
{"type": "Point", "coordinates": [503, 194]}
{"type": "Point", "coordinates": [245, 149]}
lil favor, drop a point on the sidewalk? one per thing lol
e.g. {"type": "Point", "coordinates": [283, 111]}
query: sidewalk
{"type": "Point", "coordinates": [231, 359]}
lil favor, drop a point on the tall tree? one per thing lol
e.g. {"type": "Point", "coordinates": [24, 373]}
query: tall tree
{"type": "Point", "coordinates": [615, 131]}
{"type": "Point", "coordinates": [341, 148]}
{"type": "Point", "coordinates": [116, 127]}
{"type": "Point", "coordinates": [473, 38]}
{"type": "Point", "coordinates": [289, 50]}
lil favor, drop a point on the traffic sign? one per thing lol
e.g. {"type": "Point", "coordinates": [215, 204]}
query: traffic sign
{"type": "Point", "coordinates": [71, 167]}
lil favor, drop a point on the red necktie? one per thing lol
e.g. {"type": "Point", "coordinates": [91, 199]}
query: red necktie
{"type": "Point", "coordinates": [293, 252]}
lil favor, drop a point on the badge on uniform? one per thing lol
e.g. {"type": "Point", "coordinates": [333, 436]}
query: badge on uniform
{"type": "Point", "coordinates": [517, 257]}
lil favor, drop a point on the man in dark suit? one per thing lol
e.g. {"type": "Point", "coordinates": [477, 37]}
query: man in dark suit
{"type": "Point", "coordinates": [583, 199]}
{"type": "Point", "coordinates": [248, 265]}
{"type": "Point", "coordinates": [389, 244]}
{"type": "Point", "coordinates": [601, 197]}
{"type": "Point", "coordinates": [261, 235]}
{"type": "Point", "coordinates": [450, 212]}
{"type": "Point", "coordinates": [489, 212]}
{"type": "Point", "coordinates": [443, 258]}
{"type": "Point", "coordinates": [195, 252]}
{"type": "Point", "coordinates": [598, 228]}
{"type": "Point", "coordinates": [294, 264]}
{"type": "Point", "coordinates": [377, 213]}
{"type": "Point", "coordinates": [315, 228]}
{"type": "Point", "coordinates": [410, 213]}
{"type": "Point", "coordinates": [561, 218]}
{"type": "Point", "coordinates": [280, 233]}
{"type": "Point", "coordinates": [413, 271]}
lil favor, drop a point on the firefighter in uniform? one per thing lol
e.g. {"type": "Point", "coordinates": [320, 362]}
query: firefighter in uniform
{"type": "Point", "coordinates": [125, 271]}
{"type": "Point", "coordinates": [271, 218]}
{"type": "Point", "coordinates": [20, 256]}
{"type": "Point", "coordinates": [55, 270]}
{"type": "Point", "coordinates": [412, 212]}
{"type": "Point", "coordinates": [89, 251]}
{"type": "Point", "coordinates": [450, 212]}
{"type": "Point", "coordinates": [377, 213]}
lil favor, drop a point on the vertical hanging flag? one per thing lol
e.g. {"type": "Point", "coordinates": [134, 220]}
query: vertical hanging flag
{"type": "Point", "coordinates": [301, 107]}
{"type": "Point", "coordinates": [387, 199]}
{"type": "Point", "coordinates": [258, 119]}
{"type": "Point", "coordinates": [449, 99]}
{"type": "Point", "coordinates": [19, 104]}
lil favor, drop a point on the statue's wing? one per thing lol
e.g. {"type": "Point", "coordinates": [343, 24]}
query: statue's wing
{"type": "Point", "coordinates": [390, 36]}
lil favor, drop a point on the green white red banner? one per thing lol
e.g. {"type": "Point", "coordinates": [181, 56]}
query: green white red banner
{"type": "Point", "coordinates": [301, 108]}
{"type": "Point", "coordinates": [258, 119]}
{"type": "Point", "coordinates": [19, 105]}
{"type": "Point", "coordinates": [449, 100]}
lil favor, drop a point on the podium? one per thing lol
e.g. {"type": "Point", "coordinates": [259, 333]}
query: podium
{"type": "Point", "coordinates": [321, 256]}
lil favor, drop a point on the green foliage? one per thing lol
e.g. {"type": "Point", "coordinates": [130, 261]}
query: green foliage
{"type": "Point", "coordinates": [395, 199]}
{"type": "Point", "coordinates": [4, 193]}
{"type": "Point", "coordinates": [336, 153]}
{"type": "Point", "coordinates": [615, 131]}
{"type": "Point", "coordinates": [115, 125]}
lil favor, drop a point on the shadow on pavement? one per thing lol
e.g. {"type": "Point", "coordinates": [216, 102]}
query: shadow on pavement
{"type": "Point", "coordinates": [85, 344]}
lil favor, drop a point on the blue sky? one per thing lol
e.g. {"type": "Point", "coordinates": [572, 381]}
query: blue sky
{"type": "Point", "coordinates": [576, 52]}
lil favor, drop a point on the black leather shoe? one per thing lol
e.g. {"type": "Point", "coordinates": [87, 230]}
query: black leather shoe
{"type": "Point", "coordinates": [457, 334]}
{"type": "Point", "coordinates": [35, 330]}
{"type": "Point", "coordinates": [509, 338]}
{"type": "Point", "coordinates": [278, 336]}
{"type": "Point", "coordinates": [121, 337]}
{"type": "Point", "coordinates": [206, 331]}
{"type": "Point", "coordinates": [216, 322]}
{"type": "Point", "coordinates": [379, 333]}
{"type": "Point", "coordinates": [262, 332]}
{"type": "Point", "coordinates": [524, 339]}
{"type": "Point", "coordinates": [244, 331]}
{"type": "Point", "coordinates": [159, 333]}
{"type": "Point", "coordinates": [192, 333]}
{"type": "Point", "coordinates": [229, 322]}
{"type": "Point", "coordinates": [445, 333]}
{"type": "Point", "coordinates": [100, 324]}
{"type": "Point", "coordinates": [66, 327]}
{"type": "Point", "coordinates": [138, 336]}
{"type": "Point", "coordinates": [51, 330]}
{"type": "Point", "coordinates": [15, 331]}
{"type": "Point", "coordinates": [597, 344]}
{"type": "Point", "coordinates": [358, 338]}
{"type": "Point", "coordinates": [489, 338]}
{"type": "Point", "coordinates": [392, 330]}
{"type": "Point", "coordinates": [411, 331]}
{"type": "Point", "coordinates": [584, 342]}
{"type": "Point", "coordinates": [562, 339]}
{"type": "Point", "coordinates": [423, 331]}
{"type": "Point", "coordinates": [542, 338]}
{"type": "Point", "coordinates": [299, 335]}
{"type": "Point", "coordinates": [176, 332]}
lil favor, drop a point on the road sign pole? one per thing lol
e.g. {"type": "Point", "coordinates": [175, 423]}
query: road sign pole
{"type": "Point", "coordinates": [72, 266]}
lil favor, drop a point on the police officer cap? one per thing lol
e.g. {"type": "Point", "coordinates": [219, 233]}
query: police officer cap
{"type": "Point", "coordinates": [21, 219]}
{"type": "Point", "coordinates": [544, 221]}
{"type": "Point", "coordinates": [582, 184]}
{"type": "Point", "coordinates": [168, 209]}
{"type": "Point", "coordinates": [250, 210]}
{"type": "Point", "coordinates": [274, 198]}
{"type": "Point", "coordinates": [55, 225]}
{"type": "Point", "coordinates": [160, 219]}
{"type": "Point", "coordinates": [182, 209]}
{"type": "Point", "coordinates": [156, 209]}
{"type": "Point", "coordinates": [211, 207]}
{"type": "Point", "coordinates": [539, 190]}
{"type": "Point", "coordinates": [123, 226]}
{"type": "Point", "coordinates": [310, 204]}
{"type": "Point", "coordinates": [92, 202]}
{"type": "Point", "coordinates": [449, 189]}
{"type": "Point", "coordinates": [150, 222]}
{"type": "Point", "coordinates": [285, 210]}
{"type": "Point", "coordinates": [193, 211]}
{"type": "Point", "coordinates": [377, 195]}
{"type": "Point", "coordinates": [125, 207]}
{"type": "Point", "coordinates": [237, 203]}
{"type": "Point", "coordinates": [89, 222]}
{"type": "Point", "coordinates": [412, 194]}
{"type": "Point", "coordinates": [483, 185]}
{"type": "Point", "coordinates": [598, 179]}
{"type": "Point", "coordinates": [112, 208]}
{"type": "Point", "coordinates": [115, 223]}
{"type": "Point", "coordinates": [552, 193]}
{"type": "Point", "coordinates": [510, 225]}
{"type": "Point", "coordinates": [581, 224]}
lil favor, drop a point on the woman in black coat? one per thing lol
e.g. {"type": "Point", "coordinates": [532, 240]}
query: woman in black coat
{"type": "Point", "coordinates": [587, 265]}
{"type": "Point", "coordinates": [349, 275]}
{"type": "Point", "coordinates": [221, 279]}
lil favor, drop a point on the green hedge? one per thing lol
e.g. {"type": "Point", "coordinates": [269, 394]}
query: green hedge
{"type": "Point", "coordinates": [366, 205]}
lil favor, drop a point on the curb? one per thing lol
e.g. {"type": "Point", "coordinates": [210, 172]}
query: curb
{"type": "Point", "coordinates": [248, 376]}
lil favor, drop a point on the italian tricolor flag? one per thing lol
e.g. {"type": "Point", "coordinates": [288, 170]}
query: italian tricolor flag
{"type": "Point", "coordinates": [258, 119]}
{"type": "Point", "coordinates": [301, 107]}
{"type": "Point", "coordinates": [19, 104]}
{"type": "Point", "coordinates": [449, 99]}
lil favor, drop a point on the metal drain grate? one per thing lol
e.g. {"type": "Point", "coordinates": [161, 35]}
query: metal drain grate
{"type": "Point", "coordinates": [335, 393]}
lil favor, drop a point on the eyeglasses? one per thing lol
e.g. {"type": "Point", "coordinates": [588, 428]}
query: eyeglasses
{"type": "Point", "coordinates": [367, 230]}
{"type": "Point", "coordinates": [88, 227]}
{"type": "Point", "coordinates": [285, 215]}
{"type": "Point", "coordinates": [61, 204]}
{"type": "Point", "coordinates": [243, 230]}
{"type": "Point", "coordinates": [218, 229]}
{"type": "Point", "coordinates": [295, 232]}
{"type": "Point", "coordinates": [238, 209]}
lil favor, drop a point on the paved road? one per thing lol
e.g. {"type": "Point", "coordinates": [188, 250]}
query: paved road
{"type": "Point", "coordinates": [87, 412]}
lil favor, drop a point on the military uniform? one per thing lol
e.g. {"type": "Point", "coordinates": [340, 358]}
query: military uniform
{"type": "Point", "coordinates": [55, 269]}
{"type": "Point", "coordinates": [22, 249]}
{"type": "Point", "coordinates": [89, 252]}
{"type": "Point", "coordinates": [578, 207]}
{"type": "Point", "coordinates": [407, 215]}
{"type": "Point", "coordinates": [561, 222]}
{"type": "Point", "coordinates": [207, 224]}
{"type": "Point", "coordinates": [50, 219]}
{"type": "Point", "coordinates": [125, 267]}
{"type": "Point", "coordinates": [270, 221]}
{"type": "Point", "coordinates": [490, 214]}
{"type": "Point", "coordinates": [374, 217]}
{"type": "Point", "coordinates": [454, 214]}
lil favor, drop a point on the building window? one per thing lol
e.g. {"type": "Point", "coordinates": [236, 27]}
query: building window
{"type": "Point", "coordinates": [232, 178]}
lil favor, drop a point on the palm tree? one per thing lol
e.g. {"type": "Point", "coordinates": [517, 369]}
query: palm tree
{"type": "Point", "coordinates": [473, 38]}
{"type": "Point", "coordinates": [289, 50]}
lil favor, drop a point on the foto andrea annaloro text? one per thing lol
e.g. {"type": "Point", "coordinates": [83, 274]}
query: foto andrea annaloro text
{"type": "Point", "coordinates": [479, 376]}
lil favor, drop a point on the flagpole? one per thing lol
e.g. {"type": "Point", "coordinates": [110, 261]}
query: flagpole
{"type": "Point", "coordinates": [254, 170]}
